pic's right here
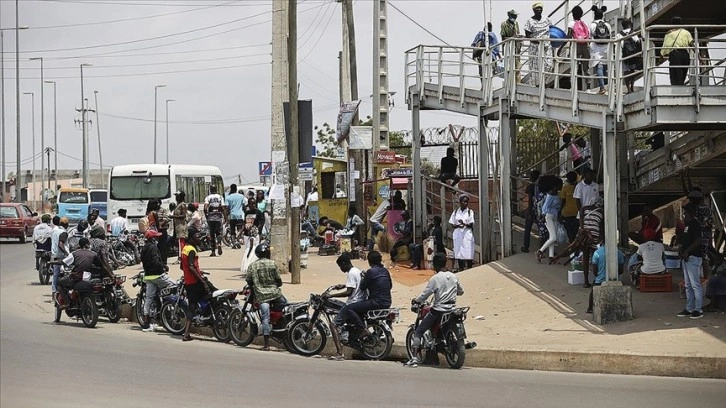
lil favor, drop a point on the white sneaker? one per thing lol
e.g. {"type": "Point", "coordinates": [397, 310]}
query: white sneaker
{"type": "Point", "coordinates": [150, 329]}
{"type": "Point", "coordinates": [413, 362]}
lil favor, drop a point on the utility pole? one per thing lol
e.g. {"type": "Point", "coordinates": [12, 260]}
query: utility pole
{"type": "Point", "coordinates": [167, 129]}
{"type": "Point", "coordinates": [32, 126]}
{"type": "Point", "coordinates": [293, 139]}
{"type": "Point", "coordinates": [380, 75]}
{"type": "Point", "coordinates": [55, 128]}
{"type": "Point", "coordinates": [47, 151]}
{"type": "Point", "coordinates": [279, 233]}
{"type": "Point", "coordinates": [18, 190]}
{"type": "Point", "coordinates": [156, 93]}
{"type": "Point", "coordinates": [98, 133]}
{"type": "Point", "coordinates": [83, 129]}
{"type": "Point", "coordinates": [42, 132]}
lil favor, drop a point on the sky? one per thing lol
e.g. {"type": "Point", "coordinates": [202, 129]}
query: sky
{"type": "Point", "coordinates": [214, 58]}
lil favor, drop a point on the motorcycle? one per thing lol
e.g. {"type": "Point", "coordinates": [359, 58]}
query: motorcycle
{"type": "Point", "coordinates": [81, 304]}
{"type": "Point", "coordinates": [214, 312]}
{"type": "Point", "coordinates": [308, 336]}
{"type": "Point", "coordinates": [448, 337]}
{"type": "Point", "coordinates": [161, 295]}
{"type": "Point", "coordinates": [230, 240]}
{"type": "Point", "coordinates": [122, 253]}
{"type": "Point", "coordinates": [111, 296]}
{"type": "Point", "coordinates": [45, 269]}
{"type": "Point", "coordinates": [244, 322]}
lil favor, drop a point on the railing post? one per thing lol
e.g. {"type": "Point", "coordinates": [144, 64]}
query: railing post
{"type": "Point", "coordinates": [419, 71]}
{"type": "Point", "coordinates": [441, 75]}
{"type": "Point", "coordinates": [619, 79]}
{"type": "Point", "coordinates": [574, 81]}
{"type": "Point", "coordinates": [647, 70]}
{"type": "Point", "coordinates": [462, 89]}
{"type": "Point", "coordinates": [612, 56]}
{"type": "Point", "coordinates": [516, 74]}
{"type": "Point", "coordinates": [406, 70]}
{"type": "Point", "coordinates": [541, 73]}
{"type": "Point", "coordinates": [697, 58]}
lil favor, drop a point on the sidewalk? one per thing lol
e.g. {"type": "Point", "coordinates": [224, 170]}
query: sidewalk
{"type": "Point", "coordinates": [525, 315]}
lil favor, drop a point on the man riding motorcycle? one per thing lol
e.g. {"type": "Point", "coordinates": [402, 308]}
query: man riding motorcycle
{"type": "Point", "coordinates": [196, 287]}
{"type": "Point", "coordinates": [377, 282]}
{"type": "Point", "coordinates": [76, 233]}
{"type": "Point", "coordinates": [264, 278]}
{"type": "Point", "coordinates": [84, 260]}
{"type": "Point", "coordinates": [445, 286]}
{"type": "Point", "coordinates": [100, 246]}
{"type": "Point", "coordinates": [155, 274]}
{"type": "Point", "coordinates": [354, 294]}
{"type": "Point", "coordinates": [42, 238]}
{"type": "Point", "coordinates": [58, 248]}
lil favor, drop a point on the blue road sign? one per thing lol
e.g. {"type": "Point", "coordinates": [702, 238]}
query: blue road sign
{"type": "Point", "coordinates": [265, 168]}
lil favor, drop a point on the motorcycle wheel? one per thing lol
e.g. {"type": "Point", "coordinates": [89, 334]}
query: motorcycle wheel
{"type": "Point", "coordinates": [139, 310]}
{"type": "Point", "coordinates": [58, 313]}
{"type": "Point", "coordinates": [242, 330]}
{"type": "Point", "coordinates": [47, 272]}
{"type": "Point", "coordinates": [409, 344]}
{"type": "Point", "coordinates": [221, 324]}
{"type": "Point", "coordinates": [455, 350]}
{"type": "Point", "coordinates": [307, 339]}
{"type": "Point", "coordinates": [89, 311]}
{"type": "Point", "coordinates": [377, 346]}
{"type": "Point", "coordinates": [173, 318]}
{"type": "Point", "coordinates": [41, 272]}
{"type": "Point", "coordinates": [113, 311]}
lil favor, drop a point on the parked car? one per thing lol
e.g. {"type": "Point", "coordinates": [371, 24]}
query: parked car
{"type": "Point", "coordinates": [99, 200]}
{"type": "Point", "coordinates": [17, 221]}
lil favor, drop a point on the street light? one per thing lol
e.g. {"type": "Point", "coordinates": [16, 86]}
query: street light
{"type": "Point", "coordinates": [83, 128]}
{"type": "Point", "coordinates": [3, 141]}
{"type": "Point", "coordinates": [42, 130]}
{"type": "Point", "coordinates": [156, 89]}
{"type": "Point", "coordinates": [17, 102]}
{"type": "Point", "coordinates": [167, 129]}
{"type": "Point", "coordinates": [98, 132]}
{"type": "Point", "coordinates": [32, 125]}
{"type": "Point", "coordinates": [55, 131]}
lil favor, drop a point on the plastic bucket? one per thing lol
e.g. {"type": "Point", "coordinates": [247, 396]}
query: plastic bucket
{"type": "Point", "coordinates": [558, 34]}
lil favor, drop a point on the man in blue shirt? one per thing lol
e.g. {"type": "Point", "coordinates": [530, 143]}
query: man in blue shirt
{"type": "Point", "coordinates": [235, 203]}
{"type": "Point", "coordinates": [479, 42]}
{"type": "Point", "coordinates": [377, 282]}
{"type": "Point", "coordinates": [599, 269]}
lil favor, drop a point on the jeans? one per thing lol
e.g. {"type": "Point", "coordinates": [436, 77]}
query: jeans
{"type": "Point", "coordinates": [358, 309]}
{"type": "Point", "coordinates": [692, 277]}
{"type": "Point", "coordinates": [215, 233]}
{"type": "Point", "coordinates": [151, 287]}
{"type": "Point", "coordinates": [376, 227]}
{"type": "Point", "coordinates": [528, 223]}
{"type": "Point", "coordinates": [265, 314]}
{"type": "Point", "coordinates": [308, 227]}
{"type": "Point", "coordinates": [572, 224]}
{"type": "Point", "coordinates": [416, 251]}
{"type": "Point", "coordinates": [551, 243]}
{"type": "Point", "coordinates": [54, 282]}
{"type": "Point", "coordinates": [233, 224]}
{"type": "Point", "coordinates": [429, 321]}
{"type": "Point", "coordinates": [602, 71]}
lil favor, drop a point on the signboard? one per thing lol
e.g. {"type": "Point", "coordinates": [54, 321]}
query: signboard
{"type": "Point", "coordinates": [265, 168]}
{"type": "Point", "coordinates": [385, 156]}
{"type": "Point", "coordinates": [408, 172]}
{"type": "Point", "coordinates": [345, 119]}
{"type": "Point", "coordinates": [305, 171]}
{"type": "Point", "coordinates": [360, 138]}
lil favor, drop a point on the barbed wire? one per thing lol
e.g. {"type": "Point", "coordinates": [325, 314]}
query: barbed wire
{"type": "Point", "coordinates": [446, 134]}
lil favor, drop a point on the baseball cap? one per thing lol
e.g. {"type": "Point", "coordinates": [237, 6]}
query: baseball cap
{"type": "Point", "coordinates": [152, 233]}
{"type": "Point", "coordinates": [537, 4]}
{"type": "Point", "coordinates": [513, 12]}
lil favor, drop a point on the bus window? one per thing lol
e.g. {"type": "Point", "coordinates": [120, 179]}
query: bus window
{"type": "Point", "coordinates": [99, 196]}
{"type": "Point", "coordinates": [139, 188]}
{"type": "Point", "coordinates": [73, 197]}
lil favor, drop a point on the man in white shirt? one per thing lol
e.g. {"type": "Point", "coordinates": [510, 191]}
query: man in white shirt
{"type": "Point", "coordinates": [95, 219]}
{"type": "Point", "coordinates": [120, 223]}
{"type": "Point", "coordinates": [376, 221]}
{"type": "Point", "coordinates": [650, 253]}
{"type": "Point", "coordinates": [354, 294]}
{"type": "Point", "coordinates": [214, 210]}
{"type": "Point", "coordinates": [586, 194]}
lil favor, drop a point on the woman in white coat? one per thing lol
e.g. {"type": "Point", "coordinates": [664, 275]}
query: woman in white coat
{"type": "Point", "coordinates": [462, 220]}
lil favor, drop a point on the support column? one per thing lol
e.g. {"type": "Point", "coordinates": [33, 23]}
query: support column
{"type": "Point", "coordinates": [624, 216]}
{"type": "Point", "coordinates": [612, 301]}
{"type": "Point", "coordinates": [505, 181]}
{"type": "Point", "coordinates": [419, 223]}
{"type": "Point", "coordinates": [485, 227]}
{"type": "Point", "coordinates": [595, 149]}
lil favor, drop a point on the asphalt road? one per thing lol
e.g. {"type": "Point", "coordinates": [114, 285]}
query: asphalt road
{"type": "Point", "coordinates": [66, 365]}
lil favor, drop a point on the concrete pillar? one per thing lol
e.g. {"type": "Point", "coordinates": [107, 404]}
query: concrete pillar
{"type": "Point", "coordinates": [595, 149]}
{"type": "Point", "coordinates": [612, 302]}
{"type": "Point", "coordinates": [419, 204]}
{"type": "Point", "coordinates": [506, 125]}
{"type": "Point", "coordinates": [624, 216]}
{"type": "Point", "coordinates": [485, 227]}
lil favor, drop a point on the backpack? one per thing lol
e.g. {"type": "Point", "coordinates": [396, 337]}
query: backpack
{"type": "Point", "coordinates": [602, 32]}
{"type": "Point", "coordinates": [478, 53]}
{"type": "Point", "coordinates": [580, 32]}
{"type": "Point", "coordinates": [630, 46]}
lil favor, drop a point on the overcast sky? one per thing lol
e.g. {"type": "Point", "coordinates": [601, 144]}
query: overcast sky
{"type": "Point", "coordinates": [214, 57]}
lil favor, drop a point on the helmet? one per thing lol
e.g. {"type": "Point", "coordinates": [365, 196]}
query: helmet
{"type": "Point", "coordinates": [152, 233]}
{"type": "Point", "coordinates": [98, 232]}
{"type": "Point", "coordinates": [263, 251]}
{"type": "Point", "coordinates": [45, 218]}
{"type": "Point", "coordinates": [82, 225]}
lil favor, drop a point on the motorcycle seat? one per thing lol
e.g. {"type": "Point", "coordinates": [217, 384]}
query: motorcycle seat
{"type": "Point", "coordinates": [222, 292]}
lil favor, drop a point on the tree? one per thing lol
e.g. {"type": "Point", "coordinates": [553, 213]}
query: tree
{"type": "Point", "coordinates": [325, 141]}
{"type": "Point", "coordinates": [538, 140]}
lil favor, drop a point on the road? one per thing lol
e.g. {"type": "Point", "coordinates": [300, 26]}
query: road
{"type": "Point", "coordinates": [116, 365]}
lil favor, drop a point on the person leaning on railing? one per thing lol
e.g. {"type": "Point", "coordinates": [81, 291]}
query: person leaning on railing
{"type": "Point", "coordinates": [675, 48]}
{"type": "Point", "coordinates": [510, 29]}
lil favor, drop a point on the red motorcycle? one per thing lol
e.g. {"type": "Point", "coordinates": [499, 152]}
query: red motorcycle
{"type": "Point", "coordinates": [448, 337]}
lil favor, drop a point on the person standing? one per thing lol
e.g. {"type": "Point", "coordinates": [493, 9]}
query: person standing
{"type": "Point", "coordinates": [675, 48]}
{"type": "Point", "coordinates": [551, 210]}
{"type": "Point", "coordinates": [264, 278]}
{"type": "Point", "coordinates": [261, 200]}
{"type": "Point", "coordinates": [481, 45]}
{"type": "Point", "coordinates": [692, 256]}
{"type": "Point", "coordinates": [569, 206]}
{"type": "Point", "coordinates": [119, 224]}
{"type": "Point", "coordinates": [530, 213]}
{"type": "Point", "coordinates": [462, 220]}
{"type": "Point", "coordinates": [376, 221]}
{"type": "Point", "coordinates": [180, 219]}
{"type": "Point", "coordinates": [579, 30]}
{"type": "Point", "coordinates": [601, 31]}
{"type": "Point", "coordinates": [449, 167]}
{"type": "Point", "coordinates": [537, 28]}
{"type": "Point", "coordinates": [155, 275]}
{"type": "Point", "coordinates": [704, 216]}
{"type": "Point", "coordinates": [195, 286]}
{"type": "Point", "coordinates": [586, 194]}
{"type": "Point", "coordinates": [235, 203]}
{"type": "Point", "coordinates": [599, 269]}
{"type": "Point", "coordinates": [630, 48]}
{"type": "Point", "coordinates": [435, 232]}
{"type": "Point", "coordinates": [510, 29]}
{"type": "Point", "coordinates": [214, 210]}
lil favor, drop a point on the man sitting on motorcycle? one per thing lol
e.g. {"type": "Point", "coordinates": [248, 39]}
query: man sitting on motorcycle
{"type": "Point", "coordinates": [155, 275]}
{"type": "Point", "coordinates": [377, 282]}
{"type": "Point", "coordinates": [100, 246]}
{"type": "Point", "coordinates": [84, 260]}
{"type": "Point", "coordinates": [264, 278]}
{"type": "Point", "coordinates": [445, 286]}
{"type": "Point", "coordinates": [196, 287]}
{"type": "Point", "coordinates": [354, 294]}
{"type": "Point", "coordinates": [42, 238]}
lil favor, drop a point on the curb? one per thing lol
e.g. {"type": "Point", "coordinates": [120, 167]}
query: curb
{"type": "Point", "coordinates": [551, 360]}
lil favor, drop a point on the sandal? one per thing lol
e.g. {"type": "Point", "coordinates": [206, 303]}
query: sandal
{"type": "Point", "coordinates": [336, 358]}
{"type": "Point", "coordinates": [265, 349]}
{"type": "Point", "coordinates": [187, 338]}
{"type": "Point", "coordinates": [540, 255]}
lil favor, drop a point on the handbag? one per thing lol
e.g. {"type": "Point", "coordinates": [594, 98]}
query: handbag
{"type": "Point", "coordinates": [561, 234]}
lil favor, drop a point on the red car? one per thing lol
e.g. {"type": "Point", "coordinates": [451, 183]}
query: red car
{"type": "Point", "coordinates": [17, 221]}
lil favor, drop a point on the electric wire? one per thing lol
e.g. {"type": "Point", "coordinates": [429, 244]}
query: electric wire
{"type": "Point", "coordinates": [419, 25]}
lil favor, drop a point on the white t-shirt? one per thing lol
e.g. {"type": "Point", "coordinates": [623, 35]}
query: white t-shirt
{"type": "Point", "coordinates": [652, 254]}
{"type": "Point", "coordinates": [380, 211]}
{"type": "Point", "coordinates": [312, 197]}
{"type": "Point", "coordinates": [100, 222]}
{"type": "Point", "coordinates": [598, 51]}
{"type": "Point", "coordinates": [215, 204]}
{"type": "Point", "coordinates": [354, 277]}
{"type": "Point", "coordinates": [588, 194]}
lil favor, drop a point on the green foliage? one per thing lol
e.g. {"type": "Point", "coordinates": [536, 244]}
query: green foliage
{"type": "Point", "coordinates": [538, 140]}
{"type": "Point", "coordinates": [398, 144]}
{"type": "Point", "coordinates": [325, 140]}
{"type": "Point", "coordinates": [429, 168]}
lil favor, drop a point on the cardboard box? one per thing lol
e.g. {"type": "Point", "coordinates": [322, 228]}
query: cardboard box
{"type": "Point", "coordinates": [575, 277]}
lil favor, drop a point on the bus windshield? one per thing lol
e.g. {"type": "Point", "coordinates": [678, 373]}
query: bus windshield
{"type": "Point", "coordinates": [98, 196]}
{"type": "Point", "coordinates": [134, 188]}
{"type": "Point", "coordinates": [73, 197]}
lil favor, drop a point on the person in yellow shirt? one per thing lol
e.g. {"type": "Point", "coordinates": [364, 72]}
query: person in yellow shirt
{"type": "Point", "coordinates": [675, 47]}
{"type": "Point", "coordinates": [569, 206]}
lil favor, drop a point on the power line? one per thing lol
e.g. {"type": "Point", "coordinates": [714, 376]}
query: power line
{"type": "Point", "coordinates": [322, 33]}
{"type": "Point", "coordinates": [156, 63]}
{"type": "Point", "coordinates": [154, 73]}
{"type": "Point", "coordinates": [419, 25]}
{"type": "Point", "coordinates": [146, 3]}
{"type": "Point", "coordinates": [157, 53]}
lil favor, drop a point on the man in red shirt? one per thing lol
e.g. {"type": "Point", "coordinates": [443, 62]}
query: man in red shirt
{"type": "Point", "coordinates": [648, 221]}
{"type": "Point", "coordinates": [195, 286]}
